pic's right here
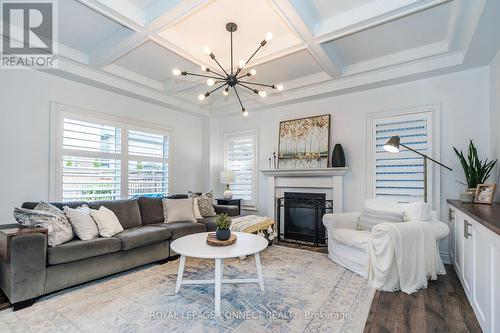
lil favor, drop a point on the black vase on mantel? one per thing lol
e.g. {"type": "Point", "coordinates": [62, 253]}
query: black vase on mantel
{"type": "Point", "coordinates": [338, 156]}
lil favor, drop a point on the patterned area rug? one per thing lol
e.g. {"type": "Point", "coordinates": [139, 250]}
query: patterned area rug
{"type": "Point", "coordinates": [305, 292]}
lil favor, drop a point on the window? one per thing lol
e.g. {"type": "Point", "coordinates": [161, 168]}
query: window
{"type": "Point", "coordinates": [103, 159]}
{"type": "Point", "coordinates": [400, 177]}
{"type": "Point", "coordinates": [240, 152]}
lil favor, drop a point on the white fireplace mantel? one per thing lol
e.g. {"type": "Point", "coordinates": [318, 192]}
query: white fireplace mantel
{"type": "Point", "coordinates": [326, 180]}
{"type": "Point", "coordinates": [306, 172]}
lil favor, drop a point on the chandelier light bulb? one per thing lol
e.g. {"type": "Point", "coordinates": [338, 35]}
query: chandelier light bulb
{"type": "Point", "coordinates": [253, 72]}
{"type": "Point", "coordinates": [262, 94]}
{"type": "Point", "coordinates": [204, 68]}
{"type": "Point", "coordinates": [225, 92]}
{"type": "Point", "coordinates": [279, 87]}
{"type": "Point", "coordinates": [207, 49]}
{"type": "Point", "coordinates": [244, 112]}
{"type": "Point", "coordinates": [210, 82]}
{"type": "Point", "coordinates": [241, 64]}
{"type": "Point", "coordinates": [269, 36]}
{"type": "Point", "coordinates": [176, 72]}
{"type": "Point", "coordinates": [201, 97]}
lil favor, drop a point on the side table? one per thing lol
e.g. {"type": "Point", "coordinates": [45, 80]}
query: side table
{"type": "Point", "coordinates": [230, 202]}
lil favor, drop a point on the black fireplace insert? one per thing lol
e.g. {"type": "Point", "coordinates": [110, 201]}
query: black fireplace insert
{"type": "Point", "coordinates": [302, 217]}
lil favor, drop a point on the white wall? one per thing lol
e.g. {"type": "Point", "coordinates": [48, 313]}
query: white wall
{"type": "Point", "coordinates": [495, 116]}
{"type": "Point", "coordinates": [464, 101]}
{"type": "Point", "coordinates": [24, 131]}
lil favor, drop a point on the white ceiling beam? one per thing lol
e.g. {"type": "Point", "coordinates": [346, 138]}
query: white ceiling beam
{"type": "Point", "coordinates": [122, 12]}
{"type": "Point", "coordinates": [99, 78]}
{"type": "Point", "coordinates": [369, 16]}
{"type": "Point", "coordinates": [290, 15]}
{"type": "Point", "coordinates": [440, 63]}
{"type": "Point", "coordinates": [134, 77]}
{"type": "Point", "coordinates": [105, 55]}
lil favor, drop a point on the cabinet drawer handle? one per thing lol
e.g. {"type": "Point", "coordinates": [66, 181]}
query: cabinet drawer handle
{"type": "Point", "coordinates": [466, 229]}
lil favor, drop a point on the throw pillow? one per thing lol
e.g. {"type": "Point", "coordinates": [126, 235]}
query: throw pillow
{"type": "Point", "coordinates": [107, 222]}
{"type": "Point", "coordinates": [83, 224]}
{"type": "Point", "coordinates": [371, 217]}
{"type": "Point", "coordinates": [47, 216]}
{"type": "Point", "coordinates": [205, 203]}
{"type": "Point", "coordinates": [196, 209]}
{"type": "Point", "coordinates": [178, 210]}
{"type": "Point", "coordinates": [418, 211]}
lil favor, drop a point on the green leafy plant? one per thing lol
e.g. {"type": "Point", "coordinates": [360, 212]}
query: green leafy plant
{"type": "Point", "coordinates": [223, 221]}
{"type": "Point", "coordinates": [476, 171]}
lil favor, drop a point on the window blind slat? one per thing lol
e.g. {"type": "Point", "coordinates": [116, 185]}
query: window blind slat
{"type": "Point", "coordinates": [399, 177]}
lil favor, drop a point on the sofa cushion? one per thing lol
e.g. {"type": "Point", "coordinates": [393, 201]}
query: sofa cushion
{"type": "Point", "coordinates": [60, 205]}
{"type": "Point", "coordinates": [209, 222]}
{"type": "Point", "coordinates": [180, 229]}
{"type": "Point", "coordinates": [79, 249]}
{"type": "Point", "coordinates": [357, 239]}
{"type": "Point", "coordinates": [142, 236]}
{"type": "Point", "coordinates": [151, 210]}
{"type": "Point", "coordinates": [127, 211]}
{"type": "Point", "coordinates": [371, 217]}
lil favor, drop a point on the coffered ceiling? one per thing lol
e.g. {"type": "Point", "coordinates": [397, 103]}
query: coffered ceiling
{"type": "Point", "coordinates": [320, 47]}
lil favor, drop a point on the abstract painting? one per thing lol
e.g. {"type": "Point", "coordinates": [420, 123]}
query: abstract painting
{"type": "Point", "coordinates": [304, 143]}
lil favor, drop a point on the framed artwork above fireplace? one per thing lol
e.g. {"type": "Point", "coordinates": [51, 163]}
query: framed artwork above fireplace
{"type": "Point", "coordinates": [304, 143]}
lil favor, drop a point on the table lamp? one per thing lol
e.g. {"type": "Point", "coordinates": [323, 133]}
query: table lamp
{"type": "Point", "coordinates": [227, 178]}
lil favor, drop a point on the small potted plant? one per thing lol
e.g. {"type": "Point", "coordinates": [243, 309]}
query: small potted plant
{"type": "Point", "coordinates": [476, 171]}
{"type": "Point", "coordinates": [223, 223]}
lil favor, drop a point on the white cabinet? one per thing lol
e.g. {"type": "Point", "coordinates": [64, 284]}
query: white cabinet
{"type": "Point", "coordinates": [475, 253]}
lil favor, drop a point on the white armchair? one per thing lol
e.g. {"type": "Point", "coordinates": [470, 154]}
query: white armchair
{"type": "Point", "coordinates": [348, 245]}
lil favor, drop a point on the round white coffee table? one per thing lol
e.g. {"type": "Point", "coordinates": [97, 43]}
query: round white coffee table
{"type": "Point", "coordinates": [196, 246]}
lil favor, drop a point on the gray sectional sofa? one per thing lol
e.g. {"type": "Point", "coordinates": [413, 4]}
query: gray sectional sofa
{"type": "Point", "coordinates": [35, 269]}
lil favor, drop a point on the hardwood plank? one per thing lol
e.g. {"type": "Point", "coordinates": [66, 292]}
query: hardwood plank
{"type": "Point", "coordinates": [442, 307]}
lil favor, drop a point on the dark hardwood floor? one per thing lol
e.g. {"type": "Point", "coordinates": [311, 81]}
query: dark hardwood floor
{"type": "Point", "coordinates": [442, 307]}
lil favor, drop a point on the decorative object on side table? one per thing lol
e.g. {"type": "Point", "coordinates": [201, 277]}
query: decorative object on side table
{"type": "Point", "coordinates": [392, 146]}
{"type": "Point", "coordinates": [223, 222]}
{"type": "Point", "coordinates": [338, 156]}
{"type": "Point", "coordinates": [476, 171]}
{"type": "Point", "coordinates": [227, 178]}
{"type": "Point", "coordinates": [304, 143]}
{"type": "Point", "coordinates": [485, 193]}
{"type": "Point", "coordinates": [230, 202]}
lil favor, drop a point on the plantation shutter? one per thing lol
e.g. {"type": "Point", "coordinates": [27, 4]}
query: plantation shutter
{"type": "Point", "coordinates": [90, 164]}
{"type": "Point", "coordinates": [148, 164]}
{"type": "Point", "coordinates": [400, 176]}
{"type": "Point", "coordinates": [240, 158]}
{"type": "Point", "coordinates": [105, 160]}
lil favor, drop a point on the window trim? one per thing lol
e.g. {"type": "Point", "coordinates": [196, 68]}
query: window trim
{"type": "Point", "coordinates": [57, 113]}
{"type": "Point", "coordinates": [252, 204]}
{"type": "Point", "coordinates": [433, 170]}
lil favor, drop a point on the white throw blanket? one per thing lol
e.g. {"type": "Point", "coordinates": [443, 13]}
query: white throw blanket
{"type": "Point", "coordinates": [402, 256]}
{"type": "Point", "coordinates": [243, 222]}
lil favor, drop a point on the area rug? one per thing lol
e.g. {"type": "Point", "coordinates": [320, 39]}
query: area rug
{"type": "Point", "coordinates": [304, 292]}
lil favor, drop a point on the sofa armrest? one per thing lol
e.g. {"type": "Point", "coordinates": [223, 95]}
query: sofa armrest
{"type": "Point", "coordinates": [341, 221]}
{"type": "Point", "coordinates": [22, 277]}
{"type": "Point", "coordinates": [227, 209]}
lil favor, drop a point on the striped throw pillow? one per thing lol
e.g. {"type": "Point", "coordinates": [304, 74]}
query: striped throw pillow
{"type": "Point", "coordinates": [371, 217]}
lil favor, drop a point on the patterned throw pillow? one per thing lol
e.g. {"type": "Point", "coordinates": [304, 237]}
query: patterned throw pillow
{"type": "Point", "coordinates": [205, 203]}
{"type": "Point", "coordinates": [49, 217]}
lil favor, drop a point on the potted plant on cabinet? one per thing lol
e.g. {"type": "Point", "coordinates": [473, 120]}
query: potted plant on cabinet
{"type": "Point", "coordinates": [476, 171]}
{"type": "Point", "coordinates": [223, 222]}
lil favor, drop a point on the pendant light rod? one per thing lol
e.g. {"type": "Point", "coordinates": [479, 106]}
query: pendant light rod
{"type": "Point", "coordinates": [245, 86]}
{"type": "Point", "coordinates": [240, 69]}
{"type": "Point", "coordinates": [214, 59]}
{"type": "Point", "coordinates": [259, 84]}
{"type": "Point", "coordinates": [202, 75]}
{"type": "Point", "coordinates": [239, 99]}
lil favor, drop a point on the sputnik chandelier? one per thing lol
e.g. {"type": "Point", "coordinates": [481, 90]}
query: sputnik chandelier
{"type": "Point", "coordinates": [235, 77]}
